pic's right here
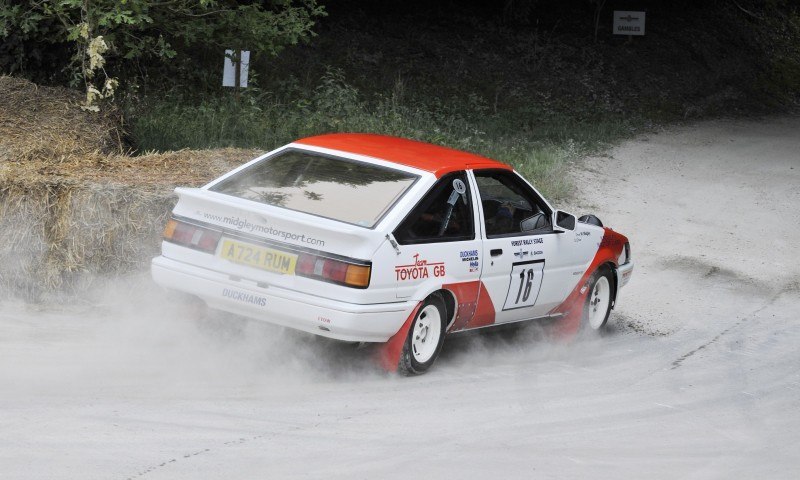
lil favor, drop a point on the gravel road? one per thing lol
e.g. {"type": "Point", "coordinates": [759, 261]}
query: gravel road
{"type": "Point", "coordinates": [698, 377]}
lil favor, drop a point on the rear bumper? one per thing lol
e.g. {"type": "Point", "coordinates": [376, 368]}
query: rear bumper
{"type": "Point", "coordinates": [312, 314]}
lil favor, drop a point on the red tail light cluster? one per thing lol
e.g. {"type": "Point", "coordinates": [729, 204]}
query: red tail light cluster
{"type": "Point", "coordinates": [192, 236]}
{"type": "Point", "coordinates": [335, 271]}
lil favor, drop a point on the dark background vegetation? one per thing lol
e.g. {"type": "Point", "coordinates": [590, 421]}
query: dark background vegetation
{"type": "Point", "coordinates": [530, 82]}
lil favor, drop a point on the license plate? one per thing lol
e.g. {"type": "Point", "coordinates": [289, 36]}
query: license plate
{"type": "Point", "coordinates": [259, 257]}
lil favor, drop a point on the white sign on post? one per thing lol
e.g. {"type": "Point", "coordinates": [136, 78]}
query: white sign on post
{"type": "Point", "coordinates": [628, 23]}
{"type": "Point", "coordinates": [229, 72]}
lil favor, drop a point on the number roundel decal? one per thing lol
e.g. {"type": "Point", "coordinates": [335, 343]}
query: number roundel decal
{"type": "Point", "coordinates": [523, 290]}
{"type": "Point", "coordinates": [459, 186]}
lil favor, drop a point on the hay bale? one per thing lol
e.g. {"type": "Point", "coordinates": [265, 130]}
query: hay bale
{"type": "Point", "coordinates": [65, 229]}
{"type": "Point", "coordinates": [23, 210]}
{"type": "Point", "coordinates": [74, 208]}
{"type": "Point", "coordinates": [46, 124]}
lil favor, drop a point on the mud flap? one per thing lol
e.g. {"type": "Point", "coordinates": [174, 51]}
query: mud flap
{"type": "Point", "coordinates": [387, 355]}
{"type": "Point", "coordinates": [568, 326]}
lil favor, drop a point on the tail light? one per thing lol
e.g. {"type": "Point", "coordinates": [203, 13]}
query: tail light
{"type": "Point", "coordinates": [192, 236]}
{"type": "Point", "coordinates": [334, 271]}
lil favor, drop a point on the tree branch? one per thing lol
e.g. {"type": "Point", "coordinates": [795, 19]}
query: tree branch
{"type": "Point", "coordinates": [746, 11]}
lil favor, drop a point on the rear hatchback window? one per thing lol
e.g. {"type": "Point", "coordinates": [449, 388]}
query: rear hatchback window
{"type": "Point", "coordinates": [344, 190]}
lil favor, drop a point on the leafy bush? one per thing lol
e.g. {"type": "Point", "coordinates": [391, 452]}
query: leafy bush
{"type": "Point", "coordinates": [132, 39]}
{"type": "Point", "coordinates": [539, 149]}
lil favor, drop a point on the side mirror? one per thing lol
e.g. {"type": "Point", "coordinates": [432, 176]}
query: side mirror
{"type": "Point", "coordinates": [563, 221]}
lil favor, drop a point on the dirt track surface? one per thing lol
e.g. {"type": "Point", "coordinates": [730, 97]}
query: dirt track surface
{"type": "Point", "coordinates": [699, 376]}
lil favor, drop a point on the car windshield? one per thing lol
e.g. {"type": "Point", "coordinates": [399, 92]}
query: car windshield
{"type": "Point", "coordinates": [345, 190]}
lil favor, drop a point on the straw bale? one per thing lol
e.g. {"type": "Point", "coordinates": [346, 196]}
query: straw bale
{"type": "Point", "coordinates": [74, 207]}
{"type": "Point", "coordinates": [151, 171]}
{"type": "Point", "coordinates": [65, 227]}
{"type": "Point", "coordinates": [62, 231]}
{"type": "Point", "coordinates": [47, 124]}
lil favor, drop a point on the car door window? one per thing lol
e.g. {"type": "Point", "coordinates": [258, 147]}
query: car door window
{"type": "Point", "coordinates": [509, 206]}
{"type": "Point", "coordinates": [443, 215]}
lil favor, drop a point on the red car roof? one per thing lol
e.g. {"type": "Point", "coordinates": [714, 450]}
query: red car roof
{"type": "Point", "coordinates": [424, 156]}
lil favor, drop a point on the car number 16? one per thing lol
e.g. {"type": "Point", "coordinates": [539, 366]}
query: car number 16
{"type": "Point", "coordinates": [523, 290]}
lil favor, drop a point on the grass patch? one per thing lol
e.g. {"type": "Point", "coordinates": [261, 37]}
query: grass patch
{"type": "Point", "coordinates": [537, 144]}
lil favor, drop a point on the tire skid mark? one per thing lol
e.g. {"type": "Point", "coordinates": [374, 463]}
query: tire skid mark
{"type": "Point", "coordinates": [190, 455]}
{"type": "Point", "coordinates": [752, 316]}
{"type": "Point", "coordinates": [233, 443]}
{"type": "Point", "coordinates": [677, 363]}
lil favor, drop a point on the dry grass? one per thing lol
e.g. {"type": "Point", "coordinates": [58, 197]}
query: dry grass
{"type": "Point", "coordinates": [61, 239]}
{"type": "Point", "coordinates": [46, 137]}
{"type": "Point", "coordinates": [156, 171]}
{"type": "Point", "coordinates": [47, 124]}
{"type": "Point", "coordinates": [74, 207]}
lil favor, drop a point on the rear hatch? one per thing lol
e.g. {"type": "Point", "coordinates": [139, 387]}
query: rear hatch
{"type": "Point", "coordinates": [287, 219]}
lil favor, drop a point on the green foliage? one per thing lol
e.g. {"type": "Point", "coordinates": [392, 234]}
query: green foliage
{"type": "Point", "coordinates": [780, 79]}
{"type": "Point", "coordinates": [143, 31]}
{"type": "Point", "coordinates": [539, 149]}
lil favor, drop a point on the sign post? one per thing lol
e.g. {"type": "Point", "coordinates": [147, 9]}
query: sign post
{"type": "Point", "coordinates": [237, 66]}
{"type": "Point", "coordinates": [628, 23]}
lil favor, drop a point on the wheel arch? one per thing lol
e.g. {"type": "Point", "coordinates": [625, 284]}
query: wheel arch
{"type": "Point", "coordinates": [450, 304]}
{"type": "Point", "coordinates": [612, 267]}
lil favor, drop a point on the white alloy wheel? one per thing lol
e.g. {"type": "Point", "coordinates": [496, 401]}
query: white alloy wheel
{"type": "Point", "coordinates": [425, 337]}
{"type": "Point", "coordinates": [426, 332]}
{"type": "Point", "coordinates": [599, 302]}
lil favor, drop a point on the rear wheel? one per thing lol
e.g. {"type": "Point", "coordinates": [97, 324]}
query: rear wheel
{"type": "Point", "coordinates": [598, 302]}
{"type": "Point", "coordinates": [425, 337]}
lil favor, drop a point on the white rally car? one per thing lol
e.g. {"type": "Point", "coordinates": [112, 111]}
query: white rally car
{"type": "Point", "coordinates": [369, 238]}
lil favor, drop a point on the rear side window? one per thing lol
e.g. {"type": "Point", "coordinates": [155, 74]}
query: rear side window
{"type": "Point", "coordinates": [345, 190]}
{"type": "Point", "coordinates": [443, 215]}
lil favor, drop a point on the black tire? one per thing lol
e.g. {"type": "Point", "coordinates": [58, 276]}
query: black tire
{"type": "Point", "coordinates": [599, 300]}
{"type": "Point", "coordinates": [417, 356]}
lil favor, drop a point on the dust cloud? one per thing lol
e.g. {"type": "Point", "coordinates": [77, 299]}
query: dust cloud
{"type": "Point", "coordinates": [132, 338]}
{"type": "Point", "coordinates": [135, 339]}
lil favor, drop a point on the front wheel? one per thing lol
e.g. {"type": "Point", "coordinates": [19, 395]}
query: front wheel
{"type": "Point", "coordinates": [425, 338]}
{"type": "Point", "coordinates": [598, 302]}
